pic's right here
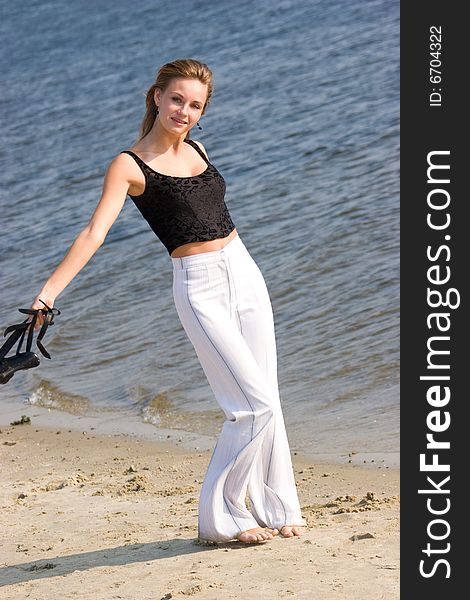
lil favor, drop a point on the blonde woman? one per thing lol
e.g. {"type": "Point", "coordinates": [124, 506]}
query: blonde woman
{"type": "Point", "coordinates": [220, 297]}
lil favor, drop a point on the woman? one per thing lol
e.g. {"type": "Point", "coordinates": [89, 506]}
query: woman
{"type": "Point", "coordinates": [220, 297]}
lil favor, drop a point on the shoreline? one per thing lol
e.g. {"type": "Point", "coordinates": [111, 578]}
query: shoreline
{"type": "Point", "coordinates": [116, 422]}
{"type": "Point", "coordinates": [89, 514]}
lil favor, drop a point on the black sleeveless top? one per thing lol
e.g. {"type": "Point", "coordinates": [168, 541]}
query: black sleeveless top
{"type": "Point", "coordinates": [184, 209]}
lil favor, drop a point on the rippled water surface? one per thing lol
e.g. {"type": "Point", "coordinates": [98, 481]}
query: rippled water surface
{"type": "Point", "coordinates": [303, 125]}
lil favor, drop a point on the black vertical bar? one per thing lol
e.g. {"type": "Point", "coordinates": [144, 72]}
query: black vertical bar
{"type": "Point", "coordinates": [434, 255]}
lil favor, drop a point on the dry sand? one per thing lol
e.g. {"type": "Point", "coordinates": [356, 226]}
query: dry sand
{"type": "Point", "coordinates": [110, 516]}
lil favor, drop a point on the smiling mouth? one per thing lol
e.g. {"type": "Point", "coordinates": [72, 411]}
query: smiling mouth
{"type": "Point", "coordinates": [178, 121]}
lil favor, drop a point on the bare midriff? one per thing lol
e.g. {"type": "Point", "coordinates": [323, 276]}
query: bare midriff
{"type": "Point", "coordinates": [199, 247]}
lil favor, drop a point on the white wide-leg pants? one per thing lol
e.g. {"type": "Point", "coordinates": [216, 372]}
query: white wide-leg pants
{"type": "Point", "coordinates": [224, 306]}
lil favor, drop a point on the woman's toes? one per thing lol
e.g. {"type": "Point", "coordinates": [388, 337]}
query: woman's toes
{"type": "Point", "coordinates": [292, 530]}
{"type": "Point", "coordinates": [298, 530]}
{"type": "Point", "coordinates": [257, 534]}
{"type": "Point", "coordinates": [287, 532]}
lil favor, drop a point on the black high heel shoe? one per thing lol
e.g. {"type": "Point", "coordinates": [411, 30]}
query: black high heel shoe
{"type": "Point", "coordinates": [25, 360]}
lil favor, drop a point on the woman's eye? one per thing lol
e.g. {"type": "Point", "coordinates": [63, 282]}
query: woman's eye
{"type": "Point", "coordinates": [178, 99]}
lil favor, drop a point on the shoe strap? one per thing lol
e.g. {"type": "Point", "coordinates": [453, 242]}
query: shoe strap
{"type": "Point", "coordinates": [19, 330]}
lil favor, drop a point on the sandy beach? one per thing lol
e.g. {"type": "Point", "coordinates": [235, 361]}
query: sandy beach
{"type": "Point", "coordinates": [113, 516]}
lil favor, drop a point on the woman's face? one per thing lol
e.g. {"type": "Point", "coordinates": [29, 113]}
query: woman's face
{"type": "Point", "coordinates": [180, 106]}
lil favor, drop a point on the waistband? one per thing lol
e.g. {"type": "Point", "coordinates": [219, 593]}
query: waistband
{"type": "Point", "coordinates": [205, 258]}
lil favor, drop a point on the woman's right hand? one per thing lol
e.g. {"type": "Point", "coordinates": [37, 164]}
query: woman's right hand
{"type": "Point", "coordinates": [49, 300]}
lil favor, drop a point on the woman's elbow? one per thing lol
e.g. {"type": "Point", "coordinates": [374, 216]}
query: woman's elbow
{"type": "Point", "coordinates": [94, 236]}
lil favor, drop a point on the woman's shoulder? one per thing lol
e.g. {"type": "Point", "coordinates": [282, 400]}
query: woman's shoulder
{"type": "Point", "coordinates": [123, 160]}
{"type": "Point", "coordinates": [199, 144]}
{"type": "Point", "coordinates": [124, 167]}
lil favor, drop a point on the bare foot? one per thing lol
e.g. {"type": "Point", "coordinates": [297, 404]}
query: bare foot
{"type": "Point", "coordinates": [293, 530]}
{"type": "Point", "coordinates": [257, 534]}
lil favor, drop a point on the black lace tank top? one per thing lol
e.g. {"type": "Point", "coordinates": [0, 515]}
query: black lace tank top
{"type": "Point", "coordinates": [184, 209]}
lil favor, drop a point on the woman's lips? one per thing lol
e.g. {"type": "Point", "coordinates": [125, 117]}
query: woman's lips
{"type": "Point", "coordinates": [178, 121]}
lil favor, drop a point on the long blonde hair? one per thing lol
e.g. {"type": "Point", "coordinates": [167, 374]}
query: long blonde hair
{"type": "Point", "coordinates": [185, 67]}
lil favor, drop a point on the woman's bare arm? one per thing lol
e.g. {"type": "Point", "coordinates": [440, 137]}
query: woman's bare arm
{"type": "Point", "coordinates": [115, 186]}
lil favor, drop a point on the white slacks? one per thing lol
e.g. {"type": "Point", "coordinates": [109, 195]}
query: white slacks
{"type": "Point", "coordinates": [224, 306]}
